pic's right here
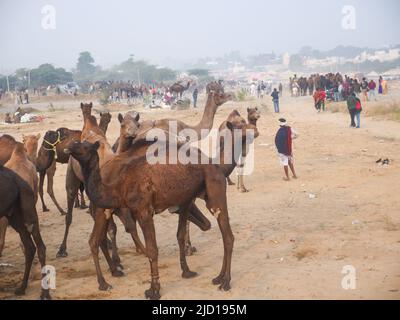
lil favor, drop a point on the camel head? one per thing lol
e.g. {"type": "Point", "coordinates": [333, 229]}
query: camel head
{"type": "Point", "coordinates": [129, 124]}
{"type": "Point", "coordinates": [253, 114]}
{"type": "Point", "coordinates": [86, 109]}
{"type": "Point", "coordinates": [84, 152]}
{"type": "Point", "coordinates": [31, 143]}
{"type": "Point", "coordinates": [216, 92]}
{"type": "Point", "coordinates": [105, 117]}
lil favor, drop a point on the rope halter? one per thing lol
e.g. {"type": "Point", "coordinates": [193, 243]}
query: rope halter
{"type": "Point", "coordinates": [53, 145]}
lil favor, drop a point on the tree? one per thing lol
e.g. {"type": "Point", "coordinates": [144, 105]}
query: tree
{"type": "Point", "coordinates": [85, 65]}
{"type": "Point", "coordinates": [46, 75]}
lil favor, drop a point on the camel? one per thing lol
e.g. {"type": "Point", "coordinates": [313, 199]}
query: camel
{"type": "Point", "coordinates": [23, 166]}
{"type": "Point", "coordinates": [253, 115]}
{"type": "Point", "coordinates": [160, 186]}
{"type": "Point", "coordinates": [105, 119]}
{"type": "Point", "coordinates": [178, 88]}
{"type": "Point", "coordinates": [74, 177]}
{"type": "Point", "coordinates": [52, 151]}
{"type": "Point", "coordinates": [18, 206]}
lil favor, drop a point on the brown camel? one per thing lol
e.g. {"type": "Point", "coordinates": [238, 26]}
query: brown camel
{"type": "Point", "coordinates": [253, 114]}
{"type": "Point", "coordinates": [52, 151]}
{"type": "Point", "coordinates": [22, 166]}
{"type": "Point", "coordinates": [74, 177]}
{"type": "Point", "coordinates": [105, 119]}
{"type": "Point", "coordinates": [178, 88]}
{"type": "Point", "coordinates": [18, 206]}
{"type": "Point", "coordinates": [160, 186]}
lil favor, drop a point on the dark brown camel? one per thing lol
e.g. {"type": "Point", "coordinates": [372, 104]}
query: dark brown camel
{"type": "Point", "coordinates": [18, 206]}
{"type": "Point", "coordinates": [74, 177]}
{"type": "Point", "coordinates": [178, 88]}
{"type": "Point", "coordinates": [126, 176]}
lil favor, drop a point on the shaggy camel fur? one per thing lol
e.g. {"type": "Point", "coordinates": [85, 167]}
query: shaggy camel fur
{"type": "Point", "coordinates": [157, 186]}
{"type": "Point", "coordinates": [18, 206]}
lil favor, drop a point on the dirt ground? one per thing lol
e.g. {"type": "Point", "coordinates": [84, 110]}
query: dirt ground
{"type": "Point", "coordinates": [287, 245]}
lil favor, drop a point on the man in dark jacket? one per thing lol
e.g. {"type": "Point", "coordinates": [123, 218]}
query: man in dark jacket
{"type": "Point", "coordinates": [351, 106]}
{"type": "Point", "coordinates": [283, 143]}
{"type": "Point", "coordinates": [275, 99]}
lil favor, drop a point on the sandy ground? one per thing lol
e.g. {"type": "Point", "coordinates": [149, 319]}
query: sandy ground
{"type": "Point", "coordinates": [287, 245]}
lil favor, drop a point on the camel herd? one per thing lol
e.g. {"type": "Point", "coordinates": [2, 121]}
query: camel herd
{"type": "Point", "coordinates": [119, 181]}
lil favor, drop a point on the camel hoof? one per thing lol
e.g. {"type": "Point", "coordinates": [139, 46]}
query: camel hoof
{"type": "Point", "coordinates": [217, 280]}
{"type": "Point", "coordinates": [19, 291]}
{"type": "Point", "coordinates": [63, 213]}
{"type": "Point", "coordinates": [231, 183]}
{"type": "Point", "coordinates": [117, 273]}
{"type": "Point", "coordinates": [62, 253]}
{"type": "Point", "coordinates": [189, 274]}
{"type": "Point", "coordinates": [83, 206]}
{"type": "Point", "coordinates": [104, 286]}
{"type": "Point", "coordinates": [225, 285]}
{"type": "Point", "coordinates": [45, 295]}
{"type": "Point", "coordinates": [244, 190]}
{"type": "Point", "coordinates": [45, 210]}
{"type": "Point", "coordinates": [152, 294]}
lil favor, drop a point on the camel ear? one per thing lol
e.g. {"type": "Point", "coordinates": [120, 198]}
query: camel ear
{"type": "Point", "coordinates": [229, 125]}
{"type": "Point", "coordinates": [101, 114]}
{"type": "Point", "coordinates": [81, 105]}
{"type": "Point", "coordinates": [38, 136]}
{"type": "Point", "coordinates": [23, 137]}
{"type": "Point", "coordinates": [120, 118]}
{"type": "Point", "coordinates": [137, 117]}
{"type": "Point", "coordinates": [96, 145]}
{"type": "Point", "coordinates": [248, 109]}
{"type": "Point", "coordinates": [256, 108]}
{"type": "Point", "coordinates": [91, 104]}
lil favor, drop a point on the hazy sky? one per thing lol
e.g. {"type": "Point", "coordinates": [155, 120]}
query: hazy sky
{"type": "Point", "coordinates": [183, 30]}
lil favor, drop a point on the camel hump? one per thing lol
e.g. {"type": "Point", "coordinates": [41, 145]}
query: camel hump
{"type": "Point", "coordinates": [8, 138]}
{"type": "Point", "coordinates": [19, 150]}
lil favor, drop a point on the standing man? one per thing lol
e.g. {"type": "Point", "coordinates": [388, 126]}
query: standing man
{"type": "Point", "coordinates": [195, 94]}
{"type": "Point", "coordinates": [275, 99]}
{"type": "Point", "coordinates": [351, 106]}
{"type": "Point", "coordinates": [364, 88]}
{"type": "Point", "coordinates": [283, 143]}
{"type": "Point", "coordinates": [371, 88]}
{"type": "Point", "coordinates": [280, 89]}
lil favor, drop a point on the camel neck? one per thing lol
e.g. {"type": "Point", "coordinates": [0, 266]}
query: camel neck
{"type": "Point", "coordinates": [101, 195]}
{"type": "Point", "coordinates": [103, 125]}
{"type": "Point", "coordinates": [228, 155]}
{"type": "Point", "coordinates": [207, 120]}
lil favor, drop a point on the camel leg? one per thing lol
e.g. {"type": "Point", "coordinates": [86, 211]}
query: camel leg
{"type": "Point", "coordinates": [97, 238]}
{"type": "Point", "coordinates": [216, 203]}
{"type": "Point", "coordinates": [50, 175]}
{"type": "Point", "coordinates": [189, 249]}
{"type": "Point", "coordinates": [129, 222]}
{"type": "Point", "coordinates": [29, 251]}
{"type": "Point", "coordinates": [147, 224]}
{"type": "Point", "coordinates": [3, 230]}
{"type": "Point", "coordinates": [72, 185]}
{"type": "Point", "coordinates": [41, 182]}
{"type": "Point", "coordinates": [41, 248]}
{"type": "Point", "coordinates": [82, 190]}
{"type": "Point", "coordinates": [240, 185]}
{"type": "Point", "coordinates": [182, 237]}
{"type": "Point", "coordinates": [112, 233]}
{"type": "Point", "coordinates": [77, 204]}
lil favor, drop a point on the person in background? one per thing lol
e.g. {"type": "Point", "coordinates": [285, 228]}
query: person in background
{"type": "Point", "coordinates": [280, 88]}
{"type": "Point", "coordinates": [364, 87]}
{"type": "Point", "coordinates": [275, 99]}
{"type": "Point", "coordinates": [358, 112]}
{"type": "Point", "coordinates": [371, 89]}
{"type": "Point", "coordinates": [283, 143]}
{"type": "Point", "coordinates": [380, 89]}
{"type": "Point", "coordinates": [319, 99]}
{"type": "Point", "coordinates": [384, 86]}
{"type": "Point", "coordinates": [351, 106]}
{"type": "Point", "coordinates": [195, 95]}
{"type": "Point", "coordinates": [340, 91]}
